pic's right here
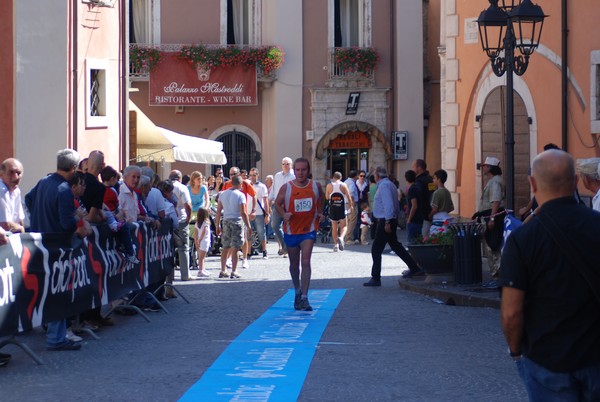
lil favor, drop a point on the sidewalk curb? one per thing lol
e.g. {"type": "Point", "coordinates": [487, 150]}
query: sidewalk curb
{"type": "Point", "coordinates": [452, 295]}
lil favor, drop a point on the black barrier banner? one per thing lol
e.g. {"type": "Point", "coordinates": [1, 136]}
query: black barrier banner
{"type": "Point", "coordinates": [47, 277]}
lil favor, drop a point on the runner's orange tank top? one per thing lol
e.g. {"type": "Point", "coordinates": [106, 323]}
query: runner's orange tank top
{"type": "Point", "coordinates": [302, 203]}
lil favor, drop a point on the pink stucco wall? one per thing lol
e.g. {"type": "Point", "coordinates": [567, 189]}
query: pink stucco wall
{"type": "Point", "coordinates": [6, 80]}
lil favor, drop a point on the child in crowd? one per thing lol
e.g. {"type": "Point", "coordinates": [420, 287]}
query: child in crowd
{"type": "Point", "coordinates": [365, 222]}
{"type": "Point", "coordinates": [441, 204]}
{"type": "Point", "coordinates": [202, 240]}
{"type": "Point", "coordinates": [77, 183]}
{"type": "Point", "coordinates": [114, 219]}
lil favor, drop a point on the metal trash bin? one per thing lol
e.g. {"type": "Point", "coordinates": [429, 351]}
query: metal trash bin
{"type": "Point", "coordinates": [467, 252]}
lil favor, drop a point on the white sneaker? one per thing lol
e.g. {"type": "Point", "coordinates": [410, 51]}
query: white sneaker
{"type": "Point", "coordinates": [335, 248]}
{"type": "Point", "coordinates": [245, 264]}
{"type": "Point", "coordinates": [228, 263]}
{"type": "Point", "coordinates": [341, 244]}
{"type": "Point", "coordinates": [202, 274]}
{"type": "Point", "coordinates": [72, 337]}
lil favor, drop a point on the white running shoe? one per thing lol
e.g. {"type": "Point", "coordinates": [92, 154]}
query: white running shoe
{"type": "Point", "coordinates": [203, 274]}
{"type": "Point", "coordinates": [72, 337]}
{"type": "Point", "coordinates": [228, 263]}
{"type": "Point", "coordinates": [245, 264]}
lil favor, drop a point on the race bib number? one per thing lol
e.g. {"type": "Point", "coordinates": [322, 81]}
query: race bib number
{"type": "Point", "coordinates": [303, 205]}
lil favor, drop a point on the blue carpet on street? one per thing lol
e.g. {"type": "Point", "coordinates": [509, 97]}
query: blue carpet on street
{"type": "Point", "coordinates": [270, 359]}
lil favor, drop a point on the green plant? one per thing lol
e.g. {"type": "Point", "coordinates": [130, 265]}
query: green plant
{"type": "Point", "coordinates": [361, 60]}
{"type": "Point", "coordinates": [142, 58]}
{"type": "Point", "coordinates": [269, 58]}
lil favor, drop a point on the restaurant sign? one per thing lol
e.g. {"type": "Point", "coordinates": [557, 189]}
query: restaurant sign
{"type": "Point", "coordinates": [175, 82]}
{"type": "Point", "coordinates": [350, 140]}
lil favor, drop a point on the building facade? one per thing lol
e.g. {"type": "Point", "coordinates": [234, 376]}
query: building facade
{"type": "Point", "coordinates": [63, 78]}
{"type": "Point", "coordinates": [340, 114]}
{"type": "Point", "coordinates": [546, 110]}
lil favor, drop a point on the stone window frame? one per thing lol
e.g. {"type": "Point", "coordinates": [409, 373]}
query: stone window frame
{"type": "Point", "coordinates": [97, 70]}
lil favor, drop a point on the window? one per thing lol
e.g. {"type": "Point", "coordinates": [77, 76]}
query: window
{"type": "Point", "coordinates": [240, 151]}
{"type": "Point", "coordinates": [96, 93]}
{"type": "Point", "coordinates": [243, 22]}
{"type": "Point", "coordinates": [144, 21]}
{"type": "Point", "coordinates": [350, 24]}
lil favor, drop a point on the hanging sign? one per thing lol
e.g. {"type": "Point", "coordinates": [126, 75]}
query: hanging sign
{"type": "Point", "coordinates": [175, 82]}
{"type": "Point", "coordinates": [399, 144]}
{"type": "Point", "coordinates": [352, 105]}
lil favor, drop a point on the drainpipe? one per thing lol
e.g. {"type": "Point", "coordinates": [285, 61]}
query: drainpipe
{"type": "Point", "coordinates": [564, 73]}
{"type": "Point", "coordinates": [74, 65]}
{"type": "Point", "coordinates": [393, 54]}
{"type": "Point", "coordinates": [124, 27]}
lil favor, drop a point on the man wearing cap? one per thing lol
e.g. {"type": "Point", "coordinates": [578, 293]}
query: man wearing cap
{"type": "Point", "coordinates": [491, 203]}
{"type": "Point", "coordinates": [589, 171]}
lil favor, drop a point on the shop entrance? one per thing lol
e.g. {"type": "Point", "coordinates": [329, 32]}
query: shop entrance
{"type": "Point", "coordinates": [348, 152]}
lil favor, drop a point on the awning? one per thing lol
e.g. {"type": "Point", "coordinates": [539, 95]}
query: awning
{"type": "Point", "coordinates": [167, 145]}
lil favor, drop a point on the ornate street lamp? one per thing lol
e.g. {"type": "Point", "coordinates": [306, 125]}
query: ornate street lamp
{"type": "Point", "coordinates": [502, 28]}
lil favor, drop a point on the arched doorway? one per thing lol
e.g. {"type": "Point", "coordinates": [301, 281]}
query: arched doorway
{"type": "Point", "coordinates": [348, 152]}
{"type": "Point", "coordinates": [351, 145]}
{"type": "Point", "coordinates": [493, 136]}
{"type": "Point", "coordinates": [239, 149]}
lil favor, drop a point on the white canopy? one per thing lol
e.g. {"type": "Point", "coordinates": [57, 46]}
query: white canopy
{"type": "Point", "coordinates": [161, 143]}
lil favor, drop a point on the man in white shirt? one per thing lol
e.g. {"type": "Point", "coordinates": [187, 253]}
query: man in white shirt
{"type": "Point", "coordinates": [182, 233]}
{"type": "Point", "coordinates": [128, 199]}
{"type": "Point", "coordinates": [11, 208]}
{"type": "Point", "coordinates": [232, 208]}
{"type": "Point", "coordinates": [280, 178]}
{"type": "Point", "coordinates": [262, 212]}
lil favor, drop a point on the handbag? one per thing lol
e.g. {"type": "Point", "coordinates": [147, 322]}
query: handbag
{"type": "Point", "coordinates": [571, 252]}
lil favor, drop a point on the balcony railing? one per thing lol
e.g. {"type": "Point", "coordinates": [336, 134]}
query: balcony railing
{"type": "Point", "coordinates": [139, 73]}
{"type": "Point", "coordinates": [352, 63]}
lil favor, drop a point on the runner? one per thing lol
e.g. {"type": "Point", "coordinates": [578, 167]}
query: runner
{"type": "Point", "coordinates": [300, 203]}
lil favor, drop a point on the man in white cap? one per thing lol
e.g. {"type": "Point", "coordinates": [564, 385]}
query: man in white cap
{"type": "Point", "coordinates": [491, 203]}
{"type": "Point", "coordinates": [589, 171]}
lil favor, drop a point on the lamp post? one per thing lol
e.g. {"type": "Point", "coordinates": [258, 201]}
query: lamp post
{"type": "Point", "coordinates": [497, 26]}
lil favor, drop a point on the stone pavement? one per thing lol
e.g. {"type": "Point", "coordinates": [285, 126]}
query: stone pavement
{"type": "Point", "coordinates": [444, 289]}
{"type": "Point", "coordinates": [382, 344]}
